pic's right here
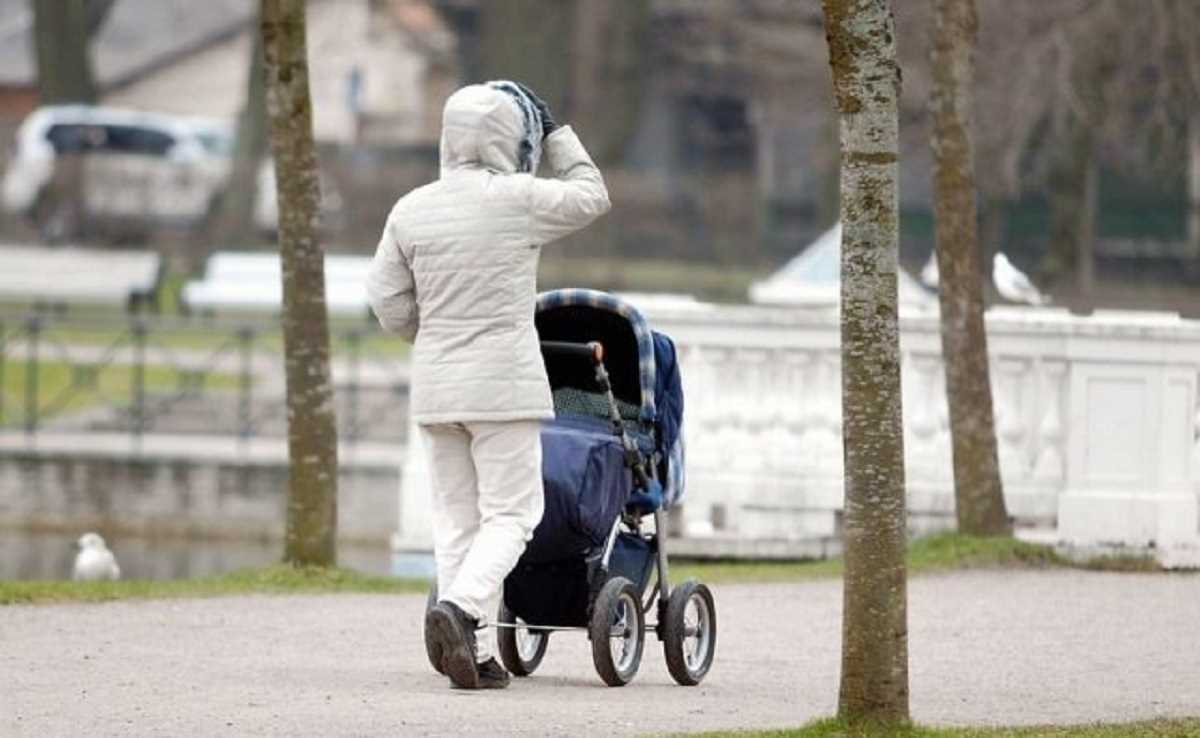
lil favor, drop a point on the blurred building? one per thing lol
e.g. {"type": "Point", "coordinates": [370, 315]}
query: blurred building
{"type": "Point", "coordinates": [379, 70]}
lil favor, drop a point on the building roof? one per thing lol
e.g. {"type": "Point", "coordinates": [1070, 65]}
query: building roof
{"type": "Point", "coordinates": [814, 278]}
{"type": "Point", "coordinates": [137, 38]}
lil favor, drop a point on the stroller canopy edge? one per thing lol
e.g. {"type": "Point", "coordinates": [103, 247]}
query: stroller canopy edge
{"type": "Point", "coordinates": [637, 322]}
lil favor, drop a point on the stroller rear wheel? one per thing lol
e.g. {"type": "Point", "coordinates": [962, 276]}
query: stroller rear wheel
{"type": "Point", "coordinates": [432, 651]}
{"type": "Point", "coordinates": [690, 633]}
{"type": "Point", "coordinates": [617, 632]}
{"type": "Point", "coordinates": [521, 649]}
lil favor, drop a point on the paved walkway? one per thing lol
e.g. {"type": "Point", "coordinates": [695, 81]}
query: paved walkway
{"type": "Point", "coordinates": [986, 647]}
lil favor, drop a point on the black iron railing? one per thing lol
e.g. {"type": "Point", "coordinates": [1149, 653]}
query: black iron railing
{"type": "Point", "coordinates": [141, 375]}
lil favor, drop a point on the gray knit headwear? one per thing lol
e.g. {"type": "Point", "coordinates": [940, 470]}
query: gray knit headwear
{"type": "Point", "coordinates": [529, 151]}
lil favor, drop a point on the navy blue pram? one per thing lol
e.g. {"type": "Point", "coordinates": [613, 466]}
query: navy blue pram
{"type": "Point", "coordinates": [612, 464]}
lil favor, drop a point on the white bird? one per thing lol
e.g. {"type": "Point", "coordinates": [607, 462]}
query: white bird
{"type": "Point", "coordinates": [94, 561]}
{"type": "Point", "coordinates": [1013, 285]}
{"type": "Point", "coordinates": [929, 272]}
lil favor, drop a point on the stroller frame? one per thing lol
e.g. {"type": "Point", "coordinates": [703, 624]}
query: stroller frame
{"type": "Point", "coordinates": [593, 351]}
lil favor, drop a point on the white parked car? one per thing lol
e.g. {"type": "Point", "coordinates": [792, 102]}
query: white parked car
{"type": "Point", "coordinates": [144, 169]}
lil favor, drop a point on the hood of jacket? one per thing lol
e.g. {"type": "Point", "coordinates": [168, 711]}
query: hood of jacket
{"type": "Point", "coordinates": [492, 127]}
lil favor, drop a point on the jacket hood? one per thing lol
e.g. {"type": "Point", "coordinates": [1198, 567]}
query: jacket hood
{"type": "Point", "coordinates": [490, 126]}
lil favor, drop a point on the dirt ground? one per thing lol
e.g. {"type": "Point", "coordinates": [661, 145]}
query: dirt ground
{"type": "Point", "coordinates": [985, 648]}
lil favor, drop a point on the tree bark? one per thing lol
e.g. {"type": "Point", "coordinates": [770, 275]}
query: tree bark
{"type": "Point", "coordinates": [866, 83]}
{"type": "Point", "coordinates": [978, 492]}
{"type": "Point", "coordinates": [528, 41]}
{"type": "Point", "coordinates": [1193, 223]}
{"type": "Point", "coordinates": [310, 538]}
{"type": "Point", "coordinates": [233, 220]}
{"type": "Point", "coordinates": [1067, 193]}
{"type": "Point", "coordinates": [64, 64]}
{"type": "Point", "coordinates": [1085, 258]}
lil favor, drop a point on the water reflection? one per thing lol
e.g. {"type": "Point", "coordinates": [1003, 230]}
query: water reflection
{"type": "Point", "coordinates": [25, 555]}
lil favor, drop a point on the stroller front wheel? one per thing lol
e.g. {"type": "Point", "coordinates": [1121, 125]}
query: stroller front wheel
{"type": "Point", "coordinates": [690, 635]}
{"type": "Point", "coordinates": [521, 649]}
{"type": "Point", "coordinates": [617, 631]}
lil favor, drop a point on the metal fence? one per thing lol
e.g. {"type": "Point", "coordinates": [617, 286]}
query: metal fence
{"type": "Point", "coordinates": [140, 375]}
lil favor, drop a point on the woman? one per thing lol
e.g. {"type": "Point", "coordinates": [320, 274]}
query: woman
{"type": "Point", "coordinates": [455, 272]}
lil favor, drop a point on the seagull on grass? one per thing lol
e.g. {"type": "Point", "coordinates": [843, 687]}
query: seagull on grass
{"type": "Point", "coordinates": [94, 561]}
{"type": "Point", "coordinates": [1013, 284]}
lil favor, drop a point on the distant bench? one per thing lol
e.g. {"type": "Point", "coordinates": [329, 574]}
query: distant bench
{"type": "Point", "coordinates": [251, 282]}
{"type": "Point", "coordinates": [61, 276]}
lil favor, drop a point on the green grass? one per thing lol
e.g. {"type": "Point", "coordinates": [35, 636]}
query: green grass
{"type": "Point", "coordinates": [278, 579]}
{"type": "Point", "coordinates": [1185, 728]}
{"type": "Point", "coordinates": [940, 552]}
{"type": "Point", "coordinates": [705, 280]}
{"type": "Point", "coordinates": [209, 337]}
{"type": "Point", "coordinates": [63, 387]}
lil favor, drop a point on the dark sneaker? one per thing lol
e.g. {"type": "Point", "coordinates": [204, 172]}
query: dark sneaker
{"type": "Point", "coordinates": [452, 635]}
{"type": "Point", "coordinates": [492, 675]}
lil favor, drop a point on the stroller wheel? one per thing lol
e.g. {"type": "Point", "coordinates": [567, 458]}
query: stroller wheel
{"type": "Point", "coordinates": [521, 649]}
{"type": "Point", "coordinates": [690, 635]}
{"type": "Point", "coordinates": [432, 651]}
{"type": "Point", "coordinates": [617, 632]}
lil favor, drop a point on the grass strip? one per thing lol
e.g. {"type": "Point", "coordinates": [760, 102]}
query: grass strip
{"type": "Point", "coordinates": [941, 552]}
{"type": "Point", "coordinates": [931, 554]}
{"type": "Point", "coordinates": [63, 387]}
{"type": "Point", "coordinates": [1163, 728]}
{"type": "Point", "coordinates": [276, 579]}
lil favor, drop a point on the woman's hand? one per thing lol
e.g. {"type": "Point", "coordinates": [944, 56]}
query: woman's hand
{"type": "Point", "coordinates": [548, 123]}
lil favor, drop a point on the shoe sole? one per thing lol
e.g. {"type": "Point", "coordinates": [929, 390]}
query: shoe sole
{"type": "Point", "coordinates": [457, 661]}
{"type": "Point", "coordinates": [433, 647]}
{"type": "Point", "coordinates": [487, 685]}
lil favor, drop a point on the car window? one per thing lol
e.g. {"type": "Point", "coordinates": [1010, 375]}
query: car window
{"type": "Point", "coordinates": [78, 138]}
{"type": "Point", "coordinates": [70, 138]}
{"type": "Point", "coordinates": [138, 140]}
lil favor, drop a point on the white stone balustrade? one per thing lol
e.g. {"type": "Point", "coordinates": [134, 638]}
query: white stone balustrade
{"type": "Point", "coordinates": [1097, 425]}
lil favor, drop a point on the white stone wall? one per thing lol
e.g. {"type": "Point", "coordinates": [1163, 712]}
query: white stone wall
{"type": "Point", "coordinates": [1097, 423]}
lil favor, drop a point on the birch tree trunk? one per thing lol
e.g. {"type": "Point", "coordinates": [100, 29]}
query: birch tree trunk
{"type": "Point", "coordinates": [310, 538]}
{"type": "Point", "coordinates": [978, 493]}
{"type": "Point", "coordinates": [866, 83]}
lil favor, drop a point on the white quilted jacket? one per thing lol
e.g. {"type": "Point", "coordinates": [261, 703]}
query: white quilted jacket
{"type": "Point", "coordinates": [456, 268]}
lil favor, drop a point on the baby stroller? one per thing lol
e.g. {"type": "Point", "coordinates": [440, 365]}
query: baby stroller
{"type": "Point", "coordinates": [612, 458]}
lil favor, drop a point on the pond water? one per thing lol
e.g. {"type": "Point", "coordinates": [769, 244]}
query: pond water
{"type": "Point", "coordinates": [25, 555]}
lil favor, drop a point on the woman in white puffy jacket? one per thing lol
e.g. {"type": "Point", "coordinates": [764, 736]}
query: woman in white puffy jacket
{"type": "Point", "coordinates": [455, 273]}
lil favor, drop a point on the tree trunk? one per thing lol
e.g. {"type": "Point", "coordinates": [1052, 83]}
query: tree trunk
{"type": "Point", "coordinates": [1067, 191]}
{"type": "Point", "coordinates": [866, 83]}
{"type": "Point", "coordinates": [1193, 232]}
{"type": "Point", "coordinates": [1194, 191]}
{"type": "Point", "coordinates": [60, 29]}
{"type": "Point", "coordinates": [607, 57]}
{"type": "Point", "coordinates": [528, 41]}
{"type": "Point", "coordinates": [1085, 258]}
{"type": "Point", "coordinates": [233, 220]}
{"type": "Point", "coordinates": [312, 433]}
{"type": "Point", "coordinates": [978, 493]}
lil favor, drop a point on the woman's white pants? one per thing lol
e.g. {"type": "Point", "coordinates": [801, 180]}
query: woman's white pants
{"type": "Point", "coordinates": [487, 499]}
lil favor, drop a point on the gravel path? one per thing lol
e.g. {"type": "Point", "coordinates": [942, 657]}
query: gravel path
{"type": "Point", "coordinates": [986, 647]}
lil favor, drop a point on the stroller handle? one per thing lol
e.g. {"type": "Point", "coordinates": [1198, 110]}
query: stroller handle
{"type": "Point", "coordinates": [592, 350]}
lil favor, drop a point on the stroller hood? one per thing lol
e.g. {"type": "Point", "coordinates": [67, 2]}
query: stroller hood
{"type": "Point", "coordinates": [642, 365]}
